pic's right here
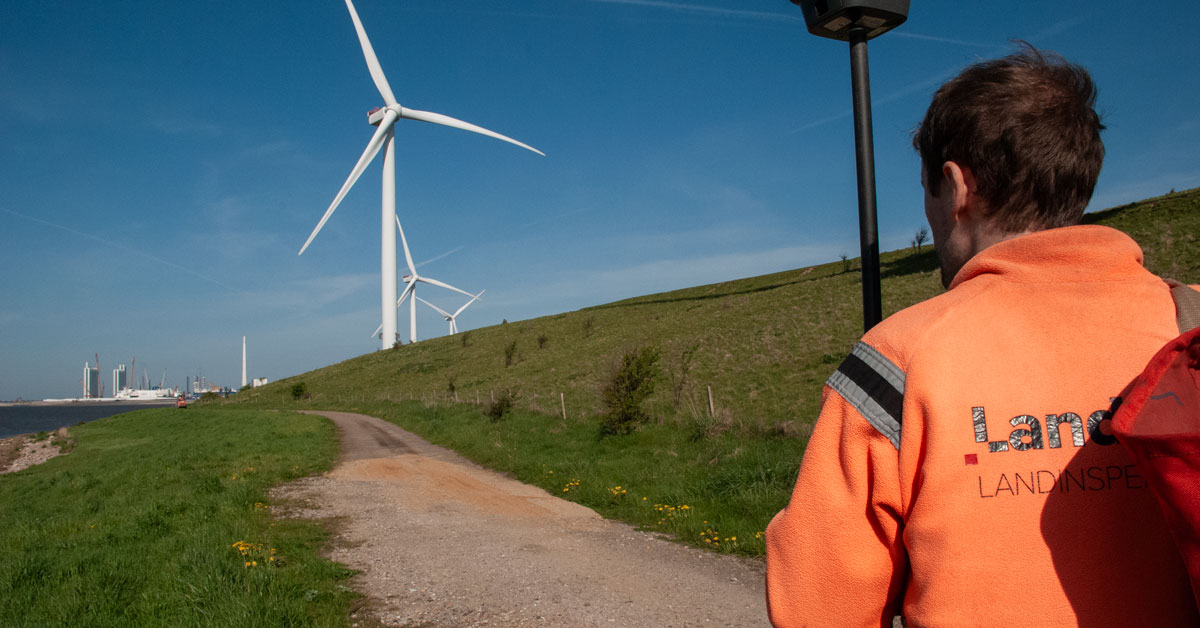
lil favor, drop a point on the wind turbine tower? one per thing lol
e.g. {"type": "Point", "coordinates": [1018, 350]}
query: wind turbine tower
{"type": "Point", "coordinates": [243, 361]}
{"type": "Point", "coordinates": [384, 137]}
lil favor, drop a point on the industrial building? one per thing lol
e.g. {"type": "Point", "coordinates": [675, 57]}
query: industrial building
{"type": "Point", "coordinates": [91, 381]}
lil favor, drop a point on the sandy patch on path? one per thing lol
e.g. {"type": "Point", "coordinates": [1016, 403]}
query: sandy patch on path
{"type": "Point", "coordinates": [440, 541]}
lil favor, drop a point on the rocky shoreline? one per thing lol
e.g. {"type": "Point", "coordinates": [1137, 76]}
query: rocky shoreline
{"type": "Point", "coordinates": [21, 452]}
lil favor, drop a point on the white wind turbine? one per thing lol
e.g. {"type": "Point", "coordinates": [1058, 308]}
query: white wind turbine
{"type": "Point", "coordinates": [448, 316]}
{"type": "Point", "coordinates": [412, 280]}
{"type": "Point", "coordinates": [385, 119]}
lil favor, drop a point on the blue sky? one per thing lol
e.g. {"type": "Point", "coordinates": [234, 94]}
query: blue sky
{"type": "Point", "coordinates": [161, 163]}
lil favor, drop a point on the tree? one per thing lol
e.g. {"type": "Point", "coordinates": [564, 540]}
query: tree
{"type": "Point", "coordinates": [921, 238]}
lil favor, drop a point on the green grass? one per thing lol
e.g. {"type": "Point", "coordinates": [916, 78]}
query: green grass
{"type": "Point", "coordinates": [136, 526]}
{"type": "Point", "coordinates": [764, 345]}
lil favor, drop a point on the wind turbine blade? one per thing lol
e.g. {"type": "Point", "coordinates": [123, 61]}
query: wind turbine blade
{"type": "Point", "coordinates": [372, 61]}
{"type": "Point", "coordinates": [378, 332]}
{"type": "Point", "coordinates": [444, 285]}
{"type": "Point", "coordinates": [460, 310]}
{"type": "Point", "coordinates": [407, 290]}
{"type": "Point", "coordinates": [372, 149]}
{"type": "Point", "coordinates": [437, 118]}
{"type": "Point", "coordinates": [439, 310]}
{"type": "Point", "coordinates": [407, 256]}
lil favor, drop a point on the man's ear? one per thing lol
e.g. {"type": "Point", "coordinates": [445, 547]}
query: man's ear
{"type": "Point", "coordinates": [959, 182]}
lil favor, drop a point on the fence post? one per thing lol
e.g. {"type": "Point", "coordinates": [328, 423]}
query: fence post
{"type": "Point", "coordinates": [711, 412]}
{"type": "Point", "coordinates": [562, 400]}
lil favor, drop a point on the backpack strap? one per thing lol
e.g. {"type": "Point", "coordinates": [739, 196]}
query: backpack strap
{"type": "Point", "coordinates": [1187, 305]}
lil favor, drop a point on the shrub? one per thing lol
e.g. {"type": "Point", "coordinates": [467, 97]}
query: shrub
{"type": "Point", "coordinates": [450, 387]}
{"type": "Point", "coordinates": [632, 381]}
{"type": "Point", "coordinates": [510, 353]}
{"type": "Point", "coordinates": [298, 390]}
{"type": "Point", "coordinates": [587, 325]}
{"type": "Point", "coordinates": [541, 340]}
{"type": "Point", "coordinates": [466, 338]}
{"type": "Point", "coordinates": [504, 402]}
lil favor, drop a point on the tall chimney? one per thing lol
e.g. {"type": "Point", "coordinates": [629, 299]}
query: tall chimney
{"type": "Point", "coordinates": [243, 361]}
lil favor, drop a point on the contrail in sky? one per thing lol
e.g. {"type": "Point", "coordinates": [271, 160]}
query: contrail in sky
{"type": "Point", "coordinates": [1052, 30]}
{"type": "Point", "coordinates": [698, 8]}
{"type": "Point", "coordinates": [442, 256]}
{"type": "Point", "coordinates": [944, 40]}
{"type": "Point", "coordinates": [122, 248]}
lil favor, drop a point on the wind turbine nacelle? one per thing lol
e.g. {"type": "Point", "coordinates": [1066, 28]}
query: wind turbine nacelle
{"type": "Point", "coordinates": [375, 116]}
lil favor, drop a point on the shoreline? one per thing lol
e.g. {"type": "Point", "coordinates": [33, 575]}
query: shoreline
{"type": "Point", "coordinates": [86, 402]}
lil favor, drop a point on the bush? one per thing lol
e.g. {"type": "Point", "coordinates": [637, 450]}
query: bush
{"type": "Point", "coordinates": [497, 410]}
{"type": "Point", "coordinates": [587, 325]}
{"type": "Point", "coordinates": [631, 383]}
{"type": "Point", "coordinates": [298, 390]}
{"type": "Point", "coordinates": [541, 340]}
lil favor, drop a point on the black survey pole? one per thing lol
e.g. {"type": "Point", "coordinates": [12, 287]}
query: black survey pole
{"type": "Point", "coordinates": [864, 155]}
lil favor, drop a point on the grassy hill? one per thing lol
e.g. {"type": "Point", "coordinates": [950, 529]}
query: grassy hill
{"type": "Point", "coordinates": [763, 344]}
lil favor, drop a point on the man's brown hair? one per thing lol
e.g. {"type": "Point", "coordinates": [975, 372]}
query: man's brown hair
{"type": "Point", "coordinates": [1026, 127]}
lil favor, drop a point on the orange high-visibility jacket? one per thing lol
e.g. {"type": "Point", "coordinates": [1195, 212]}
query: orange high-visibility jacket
{"type": "Point", "coordinates": [962, 471]}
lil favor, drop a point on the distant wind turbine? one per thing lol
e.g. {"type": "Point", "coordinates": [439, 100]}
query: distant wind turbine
{"type": "Point", "coordinates": [448, 316]}
{"type": "Point", "coordinates": [412, 280]}
{"type": "Point", "coordinates": [385, 119]}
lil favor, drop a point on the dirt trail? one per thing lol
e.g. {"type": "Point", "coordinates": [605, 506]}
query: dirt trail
{"type": "Point", "coordinates": [440, 541]}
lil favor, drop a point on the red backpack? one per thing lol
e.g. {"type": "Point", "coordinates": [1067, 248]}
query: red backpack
{"type": "Point", "coordinates": [1158, 422]}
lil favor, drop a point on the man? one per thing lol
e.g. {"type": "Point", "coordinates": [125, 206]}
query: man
{"type": "Point", "coordinates": [962, 471]}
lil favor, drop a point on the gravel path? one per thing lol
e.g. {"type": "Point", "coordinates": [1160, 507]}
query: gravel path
{"type": "Point", "coordinates": [440, 541]}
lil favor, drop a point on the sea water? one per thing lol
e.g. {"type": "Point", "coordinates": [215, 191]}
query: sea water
{"type": "Point", "coordinates": [29, 419]}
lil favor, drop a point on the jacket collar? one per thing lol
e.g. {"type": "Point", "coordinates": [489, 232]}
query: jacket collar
{"type": "Point", "coordinates": [1067, 254]}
